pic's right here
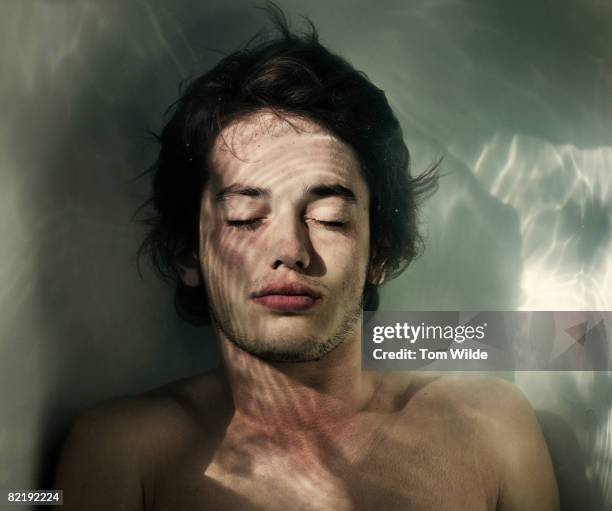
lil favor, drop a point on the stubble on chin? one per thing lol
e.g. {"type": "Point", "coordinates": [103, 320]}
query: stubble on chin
{"type": "Point", "coordinates": [290, 349]}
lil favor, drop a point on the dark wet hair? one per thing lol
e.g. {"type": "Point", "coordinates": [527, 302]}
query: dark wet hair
{"type": "Point", "coordinates": [289, 73]}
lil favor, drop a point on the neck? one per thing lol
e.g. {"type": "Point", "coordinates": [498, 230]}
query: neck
{"type": "Point", "coordinates": [306, 396]}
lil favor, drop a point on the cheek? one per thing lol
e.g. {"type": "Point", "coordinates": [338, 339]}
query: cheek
{"type": "Point", "coordinates": [224, 252]}
{"type": "Point", "coordinates": [239, 251]}
{"type": "Point", "coordinates": [345, 257]}
{"type": "Point", "coordinates": [220, 250]}
{"type": "Point", "coordinates": [223, 266]}
{"type": "Point", "coordinates": [359, 260]}
{"type": "Point", "coordinates": [361, 247]}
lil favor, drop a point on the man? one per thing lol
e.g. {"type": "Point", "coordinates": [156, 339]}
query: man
{"type": "Point", "coordinates": [282, 200]}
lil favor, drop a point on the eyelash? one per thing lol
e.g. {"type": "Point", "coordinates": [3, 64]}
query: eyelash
{"type": "Point", "coordinates": [245, 225]}
{"type": "Point", "coordinates": [251, 225]}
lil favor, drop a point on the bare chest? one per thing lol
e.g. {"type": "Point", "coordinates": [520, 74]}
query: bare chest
{"type": "Point", "coordinates": [421, 473]}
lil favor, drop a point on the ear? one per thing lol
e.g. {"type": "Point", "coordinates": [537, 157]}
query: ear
{"type": "Point", "coordinates": [188, 266]}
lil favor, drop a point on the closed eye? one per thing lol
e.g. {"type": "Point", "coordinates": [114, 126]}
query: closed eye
{"type": "Point", "coordinates": [336, 224]}
{"type": "Point", "coordinates": [252, 224]}
{"type": "Point", "coordinates": [245, 225]}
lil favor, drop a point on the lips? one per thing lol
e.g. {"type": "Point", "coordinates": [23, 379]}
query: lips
{"type": "Point", "coordinates": [287, 288]}
{"type": "Point", "coordinates": [287, 297]}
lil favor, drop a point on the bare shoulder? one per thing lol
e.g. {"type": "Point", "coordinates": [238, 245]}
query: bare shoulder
{"type": "Point", "coordinates": [100, 466]}
{"type": "Point", "coordinates": [481, 399]}
{"type": "Point", "coordinates": [109, 453]}
{"type": "Point", "coordinates": [496, 409]}
{"type": "Point", "coordinates": [508, 433]}
{"type": "Point", "coordinates": [484, 397]}
{"type": "Point", "coordinates": [480, 396]}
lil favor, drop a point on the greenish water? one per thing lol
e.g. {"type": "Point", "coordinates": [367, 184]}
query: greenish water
{"type": "Point", "coordinates": [516, 96]}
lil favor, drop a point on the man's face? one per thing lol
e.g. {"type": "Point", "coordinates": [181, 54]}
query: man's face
{"type": "Point", "coordinates": [284, 208]}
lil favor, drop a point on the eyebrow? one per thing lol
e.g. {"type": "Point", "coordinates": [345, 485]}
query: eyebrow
{"type": "Point", "coordinates": [318, 191]}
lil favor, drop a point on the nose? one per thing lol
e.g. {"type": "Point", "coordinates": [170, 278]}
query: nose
{"type": "Point", "coordinates": [290, 244]}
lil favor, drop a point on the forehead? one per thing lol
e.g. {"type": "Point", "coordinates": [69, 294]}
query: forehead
{"type": "Point", "coordinates": [274, 152]}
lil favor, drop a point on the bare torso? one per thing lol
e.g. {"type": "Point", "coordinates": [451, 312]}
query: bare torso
{"type": "Point", "coordinates": [423, 443]}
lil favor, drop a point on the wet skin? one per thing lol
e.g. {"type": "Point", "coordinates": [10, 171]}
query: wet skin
{"type": "Point", "coordinates": [290, 420]}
